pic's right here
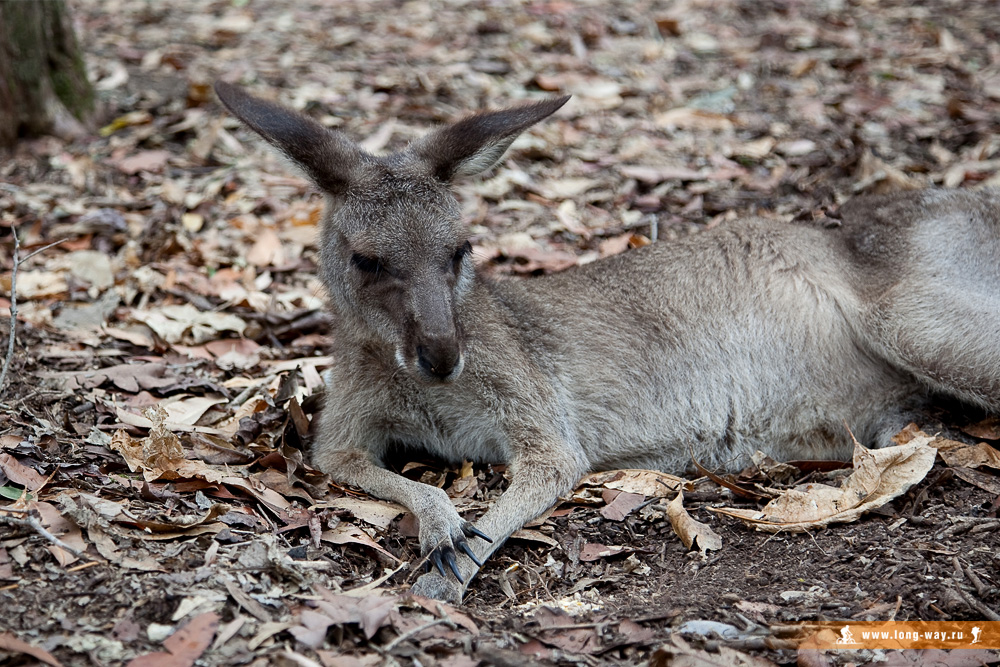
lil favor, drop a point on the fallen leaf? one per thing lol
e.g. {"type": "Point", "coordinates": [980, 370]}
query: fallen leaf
{"type": "Point", "coordinates": [144, 161]}
{"type": "Point", "coordinates": [184, 646]}
{"type": "Point", "coordinates": [63, 528]}
{"type": "Point", "coordinates": [649, 483]}
{"type": "Point", "coordinates": [621, 504]}
{"type": "Point", "coordinates": [956, 454]}
{"type": "Point", "coordinates": [692, 532]}
{"type": "Point", "coordinates": [655, 175]}
{"type": "Point", "coordinates": [11, 644]}
{"type": "Point", "coordinates": [988, 483]}
{"type": "Point", "coordinates": [592, 551]}
{"type": "Point", "coordinates": [961, 455]}
{"type": "Point", "coordinates": [186, 324]}
{"type": "Point", "coordinates": [267, 250]}
{"type": "Point", "coordinates": [157, 453]}
{"type": "Point", "coordinates": [988, 429]}
{"type": "Point", "coordinates": [879, 476]}
{"type": "Point", "coordinates": [533, 536]}
{"type": "Point", "coordinates": [346, 533]}
{"type": "Point", "coordinates": [21, 474]}
{"type": "Point", "coordinates": [693, 119]}
{"type": "Point", "coordinates": [370, 612]}
{"type": "Point", "coordinates": [378, 513]}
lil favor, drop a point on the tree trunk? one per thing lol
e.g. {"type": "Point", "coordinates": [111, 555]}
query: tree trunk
{"type": "Point", "coordinates": [43, 84]}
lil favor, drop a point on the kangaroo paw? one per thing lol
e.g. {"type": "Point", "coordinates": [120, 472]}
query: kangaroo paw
{"type": "Point", "coordinates": [434, 585]}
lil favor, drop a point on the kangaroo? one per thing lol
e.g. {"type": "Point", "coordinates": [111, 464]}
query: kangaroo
{"type": "Point", "coordinates": [754, 335]}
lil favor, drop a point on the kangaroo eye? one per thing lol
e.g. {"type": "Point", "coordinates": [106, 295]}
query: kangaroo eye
{"type": "Point", "coordinates": [460, 254]}
{"type": "Point", "coordinates": [367, 264]}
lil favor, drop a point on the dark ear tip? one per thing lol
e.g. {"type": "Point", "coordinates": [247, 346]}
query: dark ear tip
{"type": "Point", "coordinates": [554, 104]}
{"type": "Point", "coordinates": [226, 91]}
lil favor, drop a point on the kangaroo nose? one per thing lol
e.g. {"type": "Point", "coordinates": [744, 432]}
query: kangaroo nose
{"type": "Point", "coordinates": [438, 358]}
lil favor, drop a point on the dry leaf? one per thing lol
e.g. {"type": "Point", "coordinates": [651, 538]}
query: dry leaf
{"type": "Point", "coordinates": [378, 513]}
{"type": "Point", "coordinates": [879, 476]}
{"type": "Point", "coordinates": [533, 536]}
{"type": "Point", "coordinates": [690, 531]}
{"type": "Point", "coordinates": [592, 551]}
{"type": "Point", "coordinates": [345, 533]}
{"type": "Point", "coordinates": [144, 161]}
{"type": "Point", "coordinates": [186, 324]}
{"type": "Point", "coordinates": [21, 474]}
{"type": "Point", "coordinates": [184, 646]}
{"type": "Point", "coordinates": [988, 429]}
{"type": "Point", "coordinates": [970, 456]}
{"type": "Point", "coordinates": [693, 119]}
{"type": "Point", "coordinates": [649, 483]}
{"type": "Point", "coordinates": [621, 504]}
{"type": "Point", "coordinates": [11, 644]}
{"type": "Point", "coordinates": [157, 453]}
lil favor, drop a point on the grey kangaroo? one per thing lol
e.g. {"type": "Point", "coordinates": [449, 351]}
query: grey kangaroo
{"type": "Point", "coordinates": [754, 335]}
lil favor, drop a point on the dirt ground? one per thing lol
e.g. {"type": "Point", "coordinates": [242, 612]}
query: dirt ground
{"type": "Point", "coordinates": [184, 278]}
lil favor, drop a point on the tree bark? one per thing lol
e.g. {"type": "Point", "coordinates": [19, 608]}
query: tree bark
{"type": "Point", "coordinates": [43, 83]}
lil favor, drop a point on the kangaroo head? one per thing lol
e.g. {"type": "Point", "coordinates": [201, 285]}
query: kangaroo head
{"type": "Point", "coordinates": [393, 251]}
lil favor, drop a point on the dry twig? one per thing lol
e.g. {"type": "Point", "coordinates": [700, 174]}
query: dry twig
{"type": "Point", "coordinates": [18, 260]}
{"type": "Point", "coordinates": [32, 522]}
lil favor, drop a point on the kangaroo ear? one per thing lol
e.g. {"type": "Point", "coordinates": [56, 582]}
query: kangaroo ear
{"type": "Point", "coordinates": [474, 144]}
{"type": "Point", "coordinates": [329, 158]}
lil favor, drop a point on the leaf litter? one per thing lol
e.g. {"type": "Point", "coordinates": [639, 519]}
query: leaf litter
{"type": "Point", "coordinates": [187, 282]}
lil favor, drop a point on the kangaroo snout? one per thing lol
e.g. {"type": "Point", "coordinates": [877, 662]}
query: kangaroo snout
{"type": "Point", "coordinates": [439, 359]}
{"type": "Point", "coordinates": [435, 343]}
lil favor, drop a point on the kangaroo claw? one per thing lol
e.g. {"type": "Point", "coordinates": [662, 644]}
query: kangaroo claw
{"type": "Point", "coordinates": [449, 559]}
{"type": "Point", "coordinates": [471, 530]}
{"type": "Point", "coordinates": [463, 546]}
{"type": "Point", "coordinates": [436, 559]}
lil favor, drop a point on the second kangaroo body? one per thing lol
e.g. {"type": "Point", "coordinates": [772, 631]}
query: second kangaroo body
{"type": "Point", "coordinates": [755, 335]}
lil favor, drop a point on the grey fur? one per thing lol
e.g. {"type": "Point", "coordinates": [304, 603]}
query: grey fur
{"type": "Point", "coordinates": [754, 335]}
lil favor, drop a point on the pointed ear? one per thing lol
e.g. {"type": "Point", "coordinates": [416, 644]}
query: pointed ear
{"type": "Point", "coordinates": [474, 144]}
{"type": "Point", "coordinates": [329, 158]}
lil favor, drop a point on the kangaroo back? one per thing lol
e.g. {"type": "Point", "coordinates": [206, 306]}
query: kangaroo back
{"type": "Point", "coordinates": [927, 268]}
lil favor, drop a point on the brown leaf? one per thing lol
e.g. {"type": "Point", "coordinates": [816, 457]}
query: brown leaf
{"type": "Point", "coordinates": [346, 533]}
{"type": "Point", "coordinates": [375, 512]}
{"type": "Point", "coordinates": [879, 476]}
{"type": "Point", "coordinates": [144, 161]}
{"type": "Point", "coordinates": [988, 429]}
{"type": "Point", "coordinates": [621, 504]}
{"type": "Point", "coordinates": [650, 483]}
{"type": "Point", "coordinates": [267, 250]}
{"type": "Point", "coordinates": [184, 646]}
{"type": "Point", "coordinates": [654, 175]}
{"type": "Point", "coordinates": [19, 473]}
{"type": "Point", "coordinates": [690, 531]}
{"type": "Point", "coordinates": [971, 456]}
{"type": "Point", "coordinates": [11, 644]}
{"type": "Point", "coordinates": [988, 483]}
{"type": "Point", "coordinates": [592, 551]}
{"type": "Point", "coordinates": [370, 612]}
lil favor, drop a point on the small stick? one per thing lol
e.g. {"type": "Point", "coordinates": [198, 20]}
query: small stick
{"type": "Point", "coordinates": [13, 309]}
{"type": "Point", "coordinates": [976, 605]}
{"type": "Point", "coordinates": [415, 631]}
{"type": "Point", "coordinates": [32, 522]}
{"type": "Point", "coordinates": [18, 260]}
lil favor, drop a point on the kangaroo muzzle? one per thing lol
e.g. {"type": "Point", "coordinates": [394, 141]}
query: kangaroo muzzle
{"type": "Point", "coordinates": [436, 343]}
{"type": "Point", "coordinates": [439, 359]}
